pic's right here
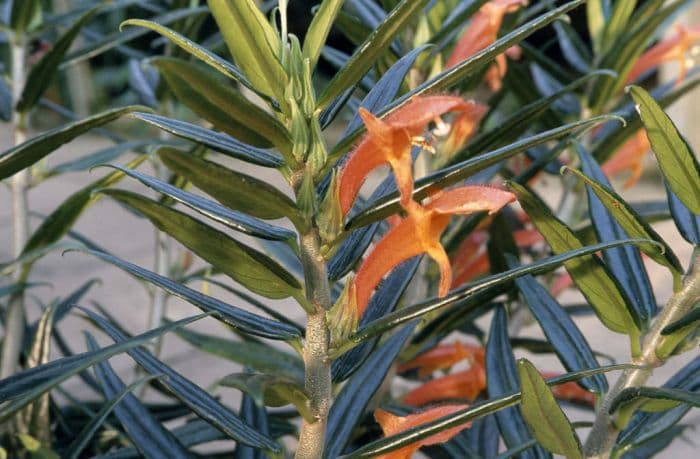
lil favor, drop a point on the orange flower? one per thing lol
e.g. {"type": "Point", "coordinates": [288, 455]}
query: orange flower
{"type": "Point", "coordinates": [392, 424]}
{"type": "Point", "coordinates": [483, 32]}
{"type": "Point", "coordinates": [561, 282]}
{"type": "Point", "coordinates": [464, 127]}
{"type": "Point", "coordinates": [570, 392]}
{"type": "Point", "coordinates": [466, 385]}
{"type": "Point", "coordinates": [679, 48]}
{"type": "Point", "coordinates": [443, 357]}
{"type": "Point", "coordinates": [630, 156]}
{"type": "Point", "coordinates": [420, 233]}
{"type": "Point", "coordinates": [389, 142]}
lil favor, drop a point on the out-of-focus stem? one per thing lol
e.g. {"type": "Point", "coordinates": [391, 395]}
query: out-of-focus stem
{"type": "Point", "coordinates": [14, 323]}
{"type": "Point", "coordinates": [601, 440]}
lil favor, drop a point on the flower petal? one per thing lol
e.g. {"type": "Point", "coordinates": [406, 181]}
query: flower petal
{"type": "Point", "coordinates": [470, 199]}
{"type": "Point", "coordinates": [465, 385]}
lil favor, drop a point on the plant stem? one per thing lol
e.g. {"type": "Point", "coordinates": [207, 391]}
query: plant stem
{"type": "Point", "coordinates": [601, 440]}
{"type": "Point", "coordinates": [317, 365]}
{"type": "Point", "coordinates": [15, 321]}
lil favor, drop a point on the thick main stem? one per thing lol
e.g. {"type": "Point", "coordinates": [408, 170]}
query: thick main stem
{"type": "Point", "coordinates": [14, 323]}
{"type": "Point", "coordinates": [317, 364]}
{"type": "Point", "coordinates": [601, 440]}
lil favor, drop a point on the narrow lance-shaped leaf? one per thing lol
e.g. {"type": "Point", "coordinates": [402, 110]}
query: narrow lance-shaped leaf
{"type": "Point", "coordinates": [588, 273]}
{"type": "Point", "coordinates": [502, 378]}
{"type": "Point", "coordinates": [215, 140]}
{"type": "Point", "coordinates": [632, 223]}
{"type": "Point", "coordinates": [25, 154]}
{"type": "Point", "coordinates": [545, 419]}
{"type": "Point", "coordinates": [688, 224]}
{"type": "Point", "coordinates": [233, 189]}
{"type": "Point", "coordinates": [25, 15]}
{"type": "Point", "coordinates": [561, 331]}
{"type": "Point", "coordinates": [40, 76]}
{"type": "Point", "coordinates": [238, 318]}
{"type": "Point", "coordinates": [234, 220]}
{"type": "Point", "coordinates": [194, 397]}
{"type": "Point", "coordinates": [252, 42]}
{"type": "Point", "coordinates": [366, 54]}
{"type": "Point", "coordinates": [663, 398]}
{"type": "Point", "coordinates": [148, 435]}
{"type": "Point", "coordinates": [624, 262]}
{"type": "Point", "coordinates": [677, 163]}
{"type": "Point", "coordinates": [319, 29]}
{"type": "Point", "coordinates": [253, 269]}
{"type": "Point", "coordinates": [225, 107]}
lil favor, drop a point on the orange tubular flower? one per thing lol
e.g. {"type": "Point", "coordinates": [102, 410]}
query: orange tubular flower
{"type": "Point", "coordinates": [420, 233]}
{"type": "Point", "coordinates": [570, 392]}
{"type": "Point", "coordinates": [392, 424]}
{"type": "Point", "coordinates": [443, 357]}
{"type": "Point", "coordinates": [389, 142]}
{"type": "Point", "coordinates": [483, 32]}
{"type": "Point", "coordinates": [629, 156]}
{"type": "Point", "coordinates": [465, 385]}
{"type": "Point", "coordinates": [679, 48]}
{"type": "Point", "coordinates": [464, 127]}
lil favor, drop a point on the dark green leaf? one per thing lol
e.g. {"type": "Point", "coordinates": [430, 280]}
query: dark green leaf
{"type": "Point", "coordinates": [231, 188]}
{"type": "Point", "coordinates": [677, 163]}
{"type": "Point", "coordinates": [617, 23]}
{"type": "Point", "coordinates": [24, 387]}
{"type": "Point", "coordinates": [258, 418]}
{"type": "Point", "coordinates": [688, 224]}
{"type": "Point", "coordinates": [561, 331]}
{"type": "Point", "coordinates": [40, 76]}
{"type": "Point", "coordinates": [88, 431]}
{"type": "Point", "coordinates": [271, 390]}
{"type": "Point", "coordinates": [350, 404]}
{"type": "Point", "coordinates": [25, 15]}
{"type": "Point", "coordinates": [258, 356]}
{"type": "Point", "coordinates": [102, 156]}
{"type": "Point", "coordinates": [148, 435]}
{"type": "Point", "coordinates": [545, 419]}
{"type": "Point", "coordinates": [237, 318]}
{"type": "Point", "coordinates": [225, 107]}
{"type": "Point", "coordinates": [663, 398]}
{"type": "Point", "coordinates": [367, 53]}
{"type": "Point", "coordinates": [253, 269]}
{"type": "Point", "coordinates": [389, 204]}
{"type": "Point", "coordinates": [197, 399]}
{"type": "Point", "coordinates": [589, 274]}
{"type": "Point", "coordinates": [215, 140]}
{"type": "Point", "coordinates": [253, 43]}
{"type": "Point", "coordinates": [687, 320]}
{"type": "Point", "coordinates": [232, 219]}
{"type": "Point", "coordinates": [27, 153]}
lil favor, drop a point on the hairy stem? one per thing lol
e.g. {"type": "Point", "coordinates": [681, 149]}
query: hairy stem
{"type": "Point", "coordinates": [601, 440]}
{"type": "Point", "coordinates": [14, 324]}
{"type": "Point", "coordinates": [317, 364]}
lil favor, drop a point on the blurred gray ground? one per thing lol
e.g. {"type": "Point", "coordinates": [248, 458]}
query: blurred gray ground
{"type": "Point", "coordinates": [132, 239]}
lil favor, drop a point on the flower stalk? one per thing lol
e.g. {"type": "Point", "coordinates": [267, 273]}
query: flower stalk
{"type": "Point", "coordinates": [601, 440]}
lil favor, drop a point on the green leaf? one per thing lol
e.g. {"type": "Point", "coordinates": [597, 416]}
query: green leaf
{"type": "Point", "coordinates": [677, 163]}
{"type": "Point", "coordinates": [475, 411]}
{"type": "Point", "coordinates": [366, 54]}
{"type": "Point", "coordinates": [42, 73]}
{"type": "Point", "coordinates": [252, 269]}
{"type": "Point", "coordinates": [460, 295]}
{"type": "Point", "coordinates": [225, 107]}
{"type": "Point", "coordinates": [632, 223]}
{"type": "Point", "coordinates": [588, 273]}
{"type": "Point", "coordinates": [231, 188]}
{"type": "Point", "coordinates": [691, 318]}
{"type": "Point", "coordinates": [389, 204]}
{"type": "Point", "coordinates": [25, 15]}
{"type": "Point", "coordinates": [616, 25]}
{"type": "Point", "coordinates": [25, 154]}
{"type": "Point", "coordinates": [37, 450]}
{"type": "Point", "coordinates": [24, 387]}
{"type": "Point", "coordinates": [253, 43]}
{"type": "Point", "coordinates": [217, 141]}
{"type": "Point", "coordinates": [318, 30]}
{"type": "Point", "coordinates": [271, 390]}
{"type": "Point", "coordinates": [258, 356]}
{"type": "Point", "coordinates": [545, 419]}
{"type": "Point", "coordinates": [88, 431]}
{"type": "Point", "coordinates": [203, 54]}
{"type": "Point", "coordinates": [62, 219]}
{"type": "Point", "coordinates": [119, 38]}
{"type": "Point", "coordinates": [596, 23]}
{"type": "Point", "coordinates": [234, 220]}
{"type": "Point", "coordinates": [655, 398]}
